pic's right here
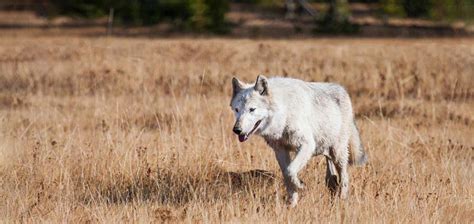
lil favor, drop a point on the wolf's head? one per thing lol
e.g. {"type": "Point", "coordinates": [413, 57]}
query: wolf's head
{"type": "Point", "coordinates": [251, 106]}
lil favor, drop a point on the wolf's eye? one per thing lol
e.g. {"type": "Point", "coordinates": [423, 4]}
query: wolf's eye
{"type": "Point", "coordinates": [252, 109]}
{"type": "Point", "coordinates": [236, 110]}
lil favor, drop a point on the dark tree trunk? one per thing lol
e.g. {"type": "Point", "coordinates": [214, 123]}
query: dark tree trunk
{"type": "Point", "coordinates": [336, 19]}
{"type": "Point", "coordinates": [292, 5]}
{"type": "Point", "coordinates": [338, 11]}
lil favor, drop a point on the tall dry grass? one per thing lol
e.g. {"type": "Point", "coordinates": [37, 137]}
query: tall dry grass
{"type": "Point", "coordinates": [139, 130]}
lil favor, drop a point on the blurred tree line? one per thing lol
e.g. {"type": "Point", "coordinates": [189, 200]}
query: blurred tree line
{"type": "Point", "coordinates": [433, 9]}
{"type": "Point", "coordinates": [198, 15]}
{"type": "Point", "coordinates": [209, 15]}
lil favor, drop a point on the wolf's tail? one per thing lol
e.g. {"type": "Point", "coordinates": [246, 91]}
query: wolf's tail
{"type": "Point", "coordinates": [357, 155]}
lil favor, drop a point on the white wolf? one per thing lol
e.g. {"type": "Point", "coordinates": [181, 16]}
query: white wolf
{"type": "Point", "coordinates": [309, 118]}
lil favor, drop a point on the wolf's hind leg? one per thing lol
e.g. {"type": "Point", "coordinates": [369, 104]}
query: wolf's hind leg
{"type": "Point", "coordinates": [331, 176]}
{"type": "Point", "coordinates": [341, 165]}
{"type": "Point", "coordinates": [344, 180]}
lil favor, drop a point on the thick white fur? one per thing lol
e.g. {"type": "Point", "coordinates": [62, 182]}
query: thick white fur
{"type": "Point", "coordinates": [309, 118]}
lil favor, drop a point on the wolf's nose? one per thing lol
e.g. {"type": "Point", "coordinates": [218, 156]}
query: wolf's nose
{"type": "Point", "coordinates": [237, 130]}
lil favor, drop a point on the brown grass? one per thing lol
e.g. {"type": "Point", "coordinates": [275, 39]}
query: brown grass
{"type": "Point", "coordinates": [139, 130]}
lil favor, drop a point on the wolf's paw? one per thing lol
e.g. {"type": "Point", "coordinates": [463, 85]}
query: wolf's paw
{"type": "Point", "coordinates": [344, 194]}
{"type": "Point", "coordinates": [293, 200]}
{"type": "Point", "coordinates": [297, 183]}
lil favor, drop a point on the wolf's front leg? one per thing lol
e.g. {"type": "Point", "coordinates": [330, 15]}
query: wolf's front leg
{"type": "Point", "coordinates": [303, 155]}
{"type": "Point", "coordinates": [284, 159]}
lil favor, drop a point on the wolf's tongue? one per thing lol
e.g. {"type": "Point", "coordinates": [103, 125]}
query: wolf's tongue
{"type": "Point", "coordinates": [242, 138]}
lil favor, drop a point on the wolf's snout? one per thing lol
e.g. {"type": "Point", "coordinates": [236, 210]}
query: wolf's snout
{"type": "Point", "coordinates": [237, 130]}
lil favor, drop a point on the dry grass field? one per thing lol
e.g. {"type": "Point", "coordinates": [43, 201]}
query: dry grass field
{"type": "Point", "coordinates": [140, 130]}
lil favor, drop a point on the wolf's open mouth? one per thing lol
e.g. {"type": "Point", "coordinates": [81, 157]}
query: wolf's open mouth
{"type": "Point", "coordinates": [244, 137]}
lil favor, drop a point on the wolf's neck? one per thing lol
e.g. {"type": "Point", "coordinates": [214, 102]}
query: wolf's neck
{"type": "Point", "coordinates": [275, 125]}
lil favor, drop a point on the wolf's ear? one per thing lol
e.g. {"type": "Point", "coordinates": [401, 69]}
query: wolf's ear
{"type": "Point", "coordinates": [236, 86]}
{"type": "Point", "coordinates": [261, 85]}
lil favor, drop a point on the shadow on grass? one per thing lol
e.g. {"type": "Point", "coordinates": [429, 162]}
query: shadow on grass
{"type": "Point", "coordinates": [173, 188]}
